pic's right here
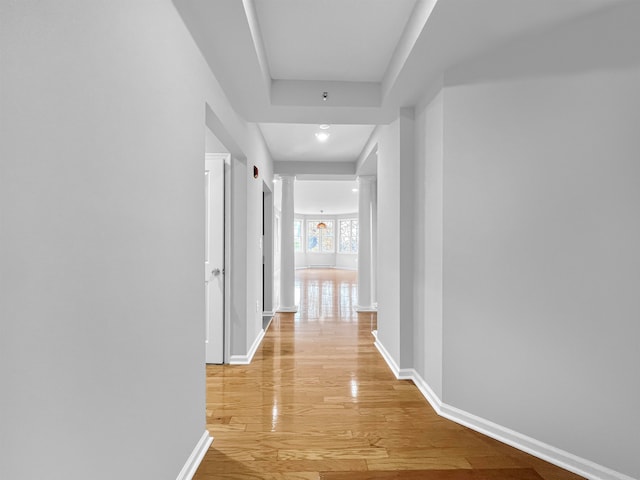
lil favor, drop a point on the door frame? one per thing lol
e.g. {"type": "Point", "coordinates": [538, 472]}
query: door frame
{"type": "Point", "coordinates": [226, 159]}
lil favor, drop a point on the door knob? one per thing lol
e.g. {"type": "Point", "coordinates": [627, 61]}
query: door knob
{"type": "Point", "coordinates": [215, 271]}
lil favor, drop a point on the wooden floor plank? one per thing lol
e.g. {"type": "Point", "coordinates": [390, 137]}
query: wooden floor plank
{"type": "Point", "coordinates": [318, 402]}
{"type": "Point", "coordinates": [495, 474]}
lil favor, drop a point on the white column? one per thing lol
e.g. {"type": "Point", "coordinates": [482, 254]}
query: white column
{"type": "Point", "coordinates": [287, 252]}
{"type": "Point", "coordinates": [365, 303]}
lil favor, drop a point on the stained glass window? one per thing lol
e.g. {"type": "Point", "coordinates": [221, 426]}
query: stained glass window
{"type": "Point", "coordinates": [348, 240]}
{"type": "Point", "coordinates": [320, 240]}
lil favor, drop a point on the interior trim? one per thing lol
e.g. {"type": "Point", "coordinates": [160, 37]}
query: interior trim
{"type": "Point", "coordinates": [246, 359]}
{"type": "Point", "coordinates": [544, 451]}
{"type": "Point", "coordinates": [194, 460]}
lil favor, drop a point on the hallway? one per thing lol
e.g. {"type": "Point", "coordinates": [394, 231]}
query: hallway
{"type": "Point", "coordinates": [319, 402]}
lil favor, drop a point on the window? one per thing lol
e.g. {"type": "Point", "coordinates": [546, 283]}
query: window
{"type": "Point", "coordinates": [297, 235]}
{"type": "Point", "coordinates": [348, 236]}
{"type": "Point", "coordinates": [320, 240]}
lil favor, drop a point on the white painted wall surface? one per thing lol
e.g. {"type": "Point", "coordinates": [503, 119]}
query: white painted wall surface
{"type": "Point", "coordinates": [347, 261]}
{"type": "Point", "coordinates": [238, 280]}
{"type": "Point", "coordinates": [246, 144]}
{"type": "Point", "coordinates": [313, 259]}
{"type": "Point", "coordinates": [395, 186]}
{"type": "Point", "coordinates": [258, 155]}
{"type": "Point", "coordinates": [428, 249]}
{"type": "Point", "coordinates": [301, 260]}
{"type": "Point", "coordinates": [388, 238]}
{"type": "Point", "coordinates": [213, 144]}
{"type": "Point", "coordinates": [541, 231]}
{"type": "Point", "coordinates": [406, 235]}
{"type": "Point", "coordinates": [102, 238]}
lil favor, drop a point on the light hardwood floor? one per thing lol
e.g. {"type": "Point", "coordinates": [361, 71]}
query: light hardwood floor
{"type": "Point", "coordinates": [319, 402]}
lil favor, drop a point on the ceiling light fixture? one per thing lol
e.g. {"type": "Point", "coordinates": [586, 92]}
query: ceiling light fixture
{"type": "Point", "coordinates": [354, 189]}
{"type": "Point", "coordinates": [322, 136]}
{"type": "Point", "coordinates": [325, 126]}
{"type": "Point", "coordinates": [321, 225]}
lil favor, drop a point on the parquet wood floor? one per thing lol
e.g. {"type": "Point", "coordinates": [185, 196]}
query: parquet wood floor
{"type": "Point", "coordinates": [319, 402]}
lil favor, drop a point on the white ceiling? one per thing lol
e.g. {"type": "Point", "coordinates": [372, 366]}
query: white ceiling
{"type": "Point", "coordinates": [268, 78]}
{"type": "Point", "coordinates": [274, 58]}
{"type": "Point", "coordinates": [331, 39]}
{"type": "Point", "coordinates": [297, 142]}
{"type": "Point", "coordinates": [333, 197]}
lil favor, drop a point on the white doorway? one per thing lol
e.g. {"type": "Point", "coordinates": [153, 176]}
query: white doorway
{"type": "Point", "coordinates": [214, 265]}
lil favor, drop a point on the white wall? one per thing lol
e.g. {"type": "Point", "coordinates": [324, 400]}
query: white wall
{"type": "Point", "coordinates": [244, 269]}
{"type": "Point", "coordinates": [395, 256]}
{"type": "Point", "coordinates": [102, 238]}
{"type": "Point", "coordinates": [428, 248]}
{"type": "Point", "coordinates": [528, 161]}
{"type": "Point", "coordinates": [247, 147]}
{"type": "Point", "coordinates": [388, 238]}
{"type": "Point", "coordinates": [257, 155]}
{"type": "Point", "coordinates": [347, 261]}
{"type": "Point", "coordinates": [406, 234]}
{"type": "Point", "coordinates": [314, 259]}
{"type": "Point", "coordinates": [212, 143]}
{"type": "Point", "coordinates": [526, 231]}
{"type": "Point", "coordinates": [541, 259]}
{"type": "Point", "coordinates": [237, 280]}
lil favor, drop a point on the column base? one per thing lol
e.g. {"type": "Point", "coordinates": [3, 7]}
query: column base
{"type": "Point", "coordinates": [371, 308]}
{"type": "Point", "coordinates": [293, 309]}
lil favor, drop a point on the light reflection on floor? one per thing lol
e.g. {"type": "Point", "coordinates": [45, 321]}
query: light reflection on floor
{"type": "Point", "coordinates": [316, 296]}
{"type": "Point", "coordinates": [318, 401]}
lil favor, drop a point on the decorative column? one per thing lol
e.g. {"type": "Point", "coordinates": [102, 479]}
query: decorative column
{"type": "Point", "coordinates": [365, 303]}
{"type": "Point", "coordinates": [287, 249]}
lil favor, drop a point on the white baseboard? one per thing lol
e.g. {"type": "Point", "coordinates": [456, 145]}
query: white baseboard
{"type": "Point", "coordinates": [246, 359]}
{"type": "Point", "coordinates": [293, 309]}
{"type": "Point", "coordinates": [426, 390]}
{"type": "Point", "coordinates": [387, 358]}
{"type": "Point", "coordinates": [549, 453]}
{"type": "Point", "coordinates": [368, 309]}
{"type": "Point", "coordinates": [336, 267]}
{"type": "Point", "coordinates": [193, 462]}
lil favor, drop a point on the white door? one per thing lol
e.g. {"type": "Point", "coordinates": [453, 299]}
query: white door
{"type": "Point", "coordinates": [214, 257]}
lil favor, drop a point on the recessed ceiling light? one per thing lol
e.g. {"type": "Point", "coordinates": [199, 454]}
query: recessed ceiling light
{"type": "Point", "coordinates": [354, 189]}
{"type": "Point", "coordinates": [324, 126]}
{"type": "Point", "coordinates": [322, 136]}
